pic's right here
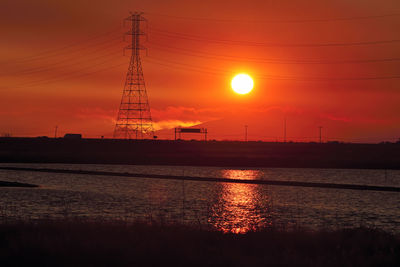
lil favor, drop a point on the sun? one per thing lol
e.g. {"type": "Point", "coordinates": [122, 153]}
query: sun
{"type": "Point", "coordinates": [242, 83]}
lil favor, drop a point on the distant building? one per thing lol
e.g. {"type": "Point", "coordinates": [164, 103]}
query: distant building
{"type": "Point", "coordinates": [180, 130]}
{"type": "Point", "coordinates": [72, 136]}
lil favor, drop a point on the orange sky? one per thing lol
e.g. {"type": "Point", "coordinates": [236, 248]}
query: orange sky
{"type": "Point", "coordinates": [61, 63]}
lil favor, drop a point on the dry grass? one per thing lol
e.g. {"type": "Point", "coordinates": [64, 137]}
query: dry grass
{"type": "Point", "coordinates": [116, 243]}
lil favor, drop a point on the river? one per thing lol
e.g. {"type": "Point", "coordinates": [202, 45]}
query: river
{"type": "Point", "coordinates": [229, 207]}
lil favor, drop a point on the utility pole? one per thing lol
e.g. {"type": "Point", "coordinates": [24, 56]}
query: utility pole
{"type": "Point", "coordinates": [134, 117]}
{"type": "Point", "coordinates": [245, 133]}
{"type": "Point", "coordinates": [55, 131]}
{"type": "Point", "coordinates": [284, 130]}
{"type": "Point", "coordinates": [320, 134]}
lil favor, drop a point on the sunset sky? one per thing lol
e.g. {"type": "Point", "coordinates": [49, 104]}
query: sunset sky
{"type": "Point", "coordinates": [334, 64]}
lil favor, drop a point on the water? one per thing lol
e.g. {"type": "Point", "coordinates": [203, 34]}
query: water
{"type": "Point", "coordinates": [227, 206]}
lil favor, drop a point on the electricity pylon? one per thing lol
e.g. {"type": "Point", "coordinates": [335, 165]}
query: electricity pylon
{"type": "Point", "coordinates": [134, 117]}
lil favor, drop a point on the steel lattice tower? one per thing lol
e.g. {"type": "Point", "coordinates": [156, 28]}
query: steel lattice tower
{"type": "Point", "coordinates": [134, 117]}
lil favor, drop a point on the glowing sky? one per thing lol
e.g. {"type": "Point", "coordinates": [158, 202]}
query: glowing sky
{"type": "Point", "coordinates": [313, 62]}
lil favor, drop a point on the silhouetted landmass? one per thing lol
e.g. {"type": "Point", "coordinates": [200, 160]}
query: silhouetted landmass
{"type": "Point", "coordinates": [211, 153]}
{"type": "Point", "coordinates": [213, 179]}
{"type": "Point", "coordinates": [15, 184]}
{"type": "Point", "coordinates": [75, 243]}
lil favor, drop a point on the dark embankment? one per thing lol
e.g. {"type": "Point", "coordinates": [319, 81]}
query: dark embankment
{"type": "Point", "coordinates": [69, 243]}
{"type": "Point", "coordinates": [213, 179]}
{"type": "Point", "coordinates": [212, 153]}
{"type": "Point", "coordinates": [15, 184]}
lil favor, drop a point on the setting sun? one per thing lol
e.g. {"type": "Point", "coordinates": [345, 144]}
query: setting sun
{"type": "Point", "coordinates": [242, 83]}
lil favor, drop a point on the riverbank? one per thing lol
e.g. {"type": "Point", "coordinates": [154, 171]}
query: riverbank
{"type": "Point", "coordinates": [204, 179]}
{"type": "Point", "coordinates": [16, 184]}
{"type": "Point", "coordinates": [201, 153]}
{"type": "Point", "coordinates": [85, 243]}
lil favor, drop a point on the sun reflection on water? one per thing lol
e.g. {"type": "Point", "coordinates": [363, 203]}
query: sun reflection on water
{"type": "Point", "coordinates": [240, 208]}
{"type": "Point", "coordinates": [241, 174]}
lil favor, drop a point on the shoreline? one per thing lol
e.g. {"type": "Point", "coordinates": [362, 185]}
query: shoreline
{"type": "Point", "coordinates": [201, 153]}
{"type": "Point", "coordinates": [16, 184]}
{"type": "Point", "coordinates": [211, 179]}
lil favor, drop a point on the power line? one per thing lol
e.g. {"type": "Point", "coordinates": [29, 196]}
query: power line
{"type": "Point", "coordinates": [191, 68]}
{"type": "Point", "coordinates": [213, 56]}
{"type": "Point", "coordinates": [185, 67]}
{"type": "Point", "coordinates": [190, 37]}
{"type": "Point", "coordinates": [206, 70]}
{"type": "Point", "coordinates": [68, 75]}
{"type": "Point", "coordinates": [72, 59]}
{"type": "Point", "coordinates": [104, 44]}
{"type": "Point", "coordinates": [213, 71]}
{"type": "Point", "coordinates": [100, 51]}
{"type": "Point", "coordinates": [66, 47]}
{"type": "Point", "coordinates": [194, 53]}
{"type": "Point", "coordinates": [70, 62]}
{"type": "Point", "coordinates": [351, 18]}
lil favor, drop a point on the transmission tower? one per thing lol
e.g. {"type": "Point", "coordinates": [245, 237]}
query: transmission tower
{"type": "Point", "coordinates": [134, 117]}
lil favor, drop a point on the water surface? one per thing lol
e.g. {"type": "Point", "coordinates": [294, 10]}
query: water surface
{"type": "Point", "coordinates": [226, 206]}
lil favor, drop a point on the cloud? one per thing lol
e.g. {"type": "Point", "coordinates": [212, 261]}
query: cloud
{"type": "Point", "coordinates": [169, 118]}
{"type": "Point", "coordinates": [169, 124]}
{"type": "Point", "coordinates": [180, 113]}
{"type": "Point", "coordinates": [335, 118]}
